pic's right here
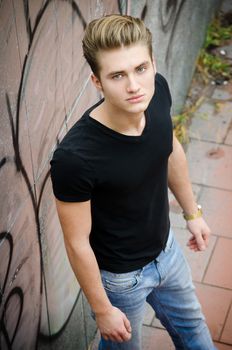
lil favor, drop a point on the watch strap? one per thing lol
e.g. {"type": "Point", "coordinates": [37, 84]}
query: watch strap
{"type": "Point", "coordinates": [196, 215]}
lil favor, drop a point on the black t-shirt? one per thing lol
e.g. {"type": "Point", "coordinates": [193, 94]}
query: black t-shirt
{"type": "Point", "coordinates": [125, 177]}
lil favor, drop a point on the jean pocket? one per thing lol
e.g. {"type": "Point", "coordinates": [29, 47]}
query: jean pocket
{"type": "Point", "coordinates": [170, 242]}
{"type": "Point", "coordinates": [121, 283]}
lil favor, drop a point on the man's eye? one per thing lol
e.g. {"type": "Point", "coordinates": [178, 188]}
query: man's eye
{"type": "Point", "coordinates": [141, 69]}
{"type": "Point", "coordinates": [117, 76]}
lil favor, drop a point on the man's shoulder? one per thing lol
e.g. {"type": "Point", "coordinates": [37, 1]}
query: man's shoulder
{"type": "Point", "coordinates": [162, 88]}
{"type": "Point", "coordinates": [160, 79]}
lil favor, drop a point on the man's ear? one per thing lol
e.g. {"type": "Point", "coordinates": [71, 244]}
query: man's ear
{"type": "Point", "coordinates": [96, 81]}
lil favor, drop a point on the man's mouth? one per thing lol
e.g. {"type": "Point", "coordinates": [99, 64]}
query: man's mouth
{"type": "Point", "coordinates": [136, 98]}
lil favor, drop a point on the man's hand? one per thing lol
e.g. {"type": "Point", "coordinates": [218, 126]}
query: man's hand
{"type": "Point", "coordinates": [201, 233]}
{"type": "Point", "coordinates": [114, 325]}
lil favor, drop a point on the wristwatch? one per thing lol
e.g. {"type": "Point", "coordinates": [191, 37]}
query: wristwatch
{"type": "Point", "coordinates": [196, 215]}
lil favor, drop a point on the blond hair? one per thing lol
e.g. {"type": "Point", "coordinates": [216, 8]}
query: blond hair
{"type": "Point", "coordinates": [113, 31]}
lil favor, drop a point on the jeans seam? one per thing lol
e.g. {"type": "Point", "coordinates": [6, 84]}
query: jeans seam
{"type": "Point", "coordinates": [168, 319]}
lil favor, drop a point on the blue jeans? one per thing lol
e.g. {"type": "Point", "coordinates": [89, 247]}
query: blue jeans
{"type": "Point", "coordinates": [166, 284]}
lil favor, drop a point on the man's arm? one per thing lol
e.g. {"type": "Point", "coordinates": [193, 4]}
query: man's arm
{"type": "Point", "coordinates": [180, 185]}
{"type": "Point", "coordinates": [75, 219]}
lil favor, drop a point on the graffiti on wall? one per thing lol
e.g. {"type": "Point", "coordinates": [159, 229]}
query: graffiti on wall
{"type": "Point", "coordinates": [167, 15]}
{"type": "Point", "coordinates": [44, 90]}
{"type": "Point", "coordinates": [39, 74]}
{"type": "Point", "coordinates": [170, 12]}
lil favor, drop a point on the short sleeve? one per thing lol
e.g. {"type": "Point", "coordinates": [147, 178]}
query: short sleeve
{"type": "Point", "coordinates": [72, 178]}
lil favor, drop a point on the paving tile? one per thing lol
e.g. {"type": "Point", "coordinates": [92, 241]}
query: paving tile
{"type": "Point", "coordinates": [228, 51]}
{"type": "Point", "coordinates": [217, 206]}
{"type": "Point", "coordinates": [228, 140]}
{"type": "Point", "coordinates": [156, 338]}
{"type": "Point", "coordinates": [221, 94]}
{"type": "Point", "coordinates": [210, 165]}
{"type": "Point", "coordinates": [227, 332]}
{"type": "Point", "coordinates": [219, 272]}
{"type": "Point", "coordinates": [221, 346]}
{"type": "Point", "coordinates": [149, 315]}
{"type": "Point", "coordinates": [209, 125]}
{"type": "Point", "coordinates": [71, 337]}
{"type": "Point", "coordinates": [175, 214]}
{"type": "Point", "coordinates": [156, 323]}
{"type": "Point", "coordinates": [176, 217]}
{"type": "Point", "coordinates": [198, 261]}
{"type": "Point", "coordinates": [150, 336]}
{"type": "Point", "coordinates": [89, 323]}
{"type": "Point", "coordinates": [215, 304]}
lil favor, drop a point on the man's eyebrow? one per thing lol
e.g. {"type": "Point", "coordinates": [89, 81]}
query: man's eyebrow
{"type": "Point", "coordinates": [143, 63]}
{"type": "Point", "coordinates": [115, 73]}
{"type": "Point", "coordinates": [122, 71]}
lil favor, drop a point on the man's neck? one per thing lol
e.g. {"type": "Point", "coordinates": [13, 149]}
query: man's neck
{"type": "Point", "coordinates": [130, 124]}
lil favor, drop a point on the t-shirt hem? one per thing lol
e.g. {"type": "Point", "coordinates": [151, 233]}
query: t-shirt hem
{"type": "Point", "coordinates": [125, 269]}
{"type": "Point", "coordinates": [72, 200]}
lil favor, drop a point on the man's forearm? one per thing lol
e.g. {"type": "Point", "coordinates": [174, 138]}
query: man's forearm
{"type": "Point", "coordinates": [86, 269]}
{"type": "Point", "coordinates": [178, 179]}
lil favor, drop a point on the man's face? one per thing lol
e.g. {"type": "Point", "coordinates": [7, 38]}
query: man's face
{"type": "Point", "coordinates": [126, 78]}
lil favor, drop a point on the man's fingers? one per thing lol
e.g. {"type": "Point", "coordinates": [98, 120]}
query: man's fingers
{"type": "Point", "coordinates": [201, 234]}
{"type": "Point", "coordinates": [196, 245]}
{"type": "Point", "coordinates": [117, 337]}
{"type": "Point", "coordinates": [206, 238]}
{"type": "Point", "coordinates": [114, 325]}
{"type": "Point", "coordinates": [126, 336]}
{"type": "Point", "coordinates": [127, 324]}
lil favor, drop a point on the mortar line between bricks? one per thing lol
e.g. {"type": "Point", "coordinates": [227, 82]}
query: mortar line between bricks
{"type": "Point", "coordinates": [153, 318]}
{"type": "Point", "coordinates": [220, 236]}
{"type": "Point", "coordinates": [213, 286]}
{"type": "Point", "coordinates": [206, 141]}
{"type": "Point", "coordinates": [227, 133]}
{"type": "Point", "coordinates": [222, 143]}
{"type": "Point", "coordinates": [155, 327]}
{"type": "Point", "coordinates": [226, 318]}
{"type": "Point", "coordinates": [210, 259]}
{"type": "Point", "coordinates": [220, 342]}
{"type": "Point", "coordinates": [213, 187]}
{"type": "Point", "coordinates": [212, 234]}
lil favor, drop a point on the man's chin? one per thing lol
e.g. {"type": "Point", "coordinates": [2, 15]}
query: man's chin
{"type": "Point", "coordinates": [140, 108]}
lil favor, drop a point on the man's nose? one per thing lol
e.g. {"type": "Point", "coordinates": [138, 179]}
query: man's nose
{"type": "Point", "coordinates": [132, 84]}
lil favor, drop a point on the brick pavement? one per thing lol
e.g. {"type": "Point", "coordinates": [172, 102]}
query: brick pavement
{"type": "Point", "coordinates": [209, 155]}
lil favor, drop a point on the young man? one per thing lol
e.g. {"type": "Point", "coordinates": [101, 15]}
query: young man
{"type": "Point", "coordinates": [110, 178]}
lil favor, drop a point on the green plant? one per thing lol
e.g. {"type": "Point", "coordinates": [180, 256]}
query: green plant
{"type": "Point", "coordinates": [217, 33]}
{"type": "Point", "coordinates": [210, 64]}
{"type": "Point", "coordinates": [213, 66]}
{"type": "Point", "coordinates": [180, 129]}
{"type": "Point", "coordinates": [180, 121]}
